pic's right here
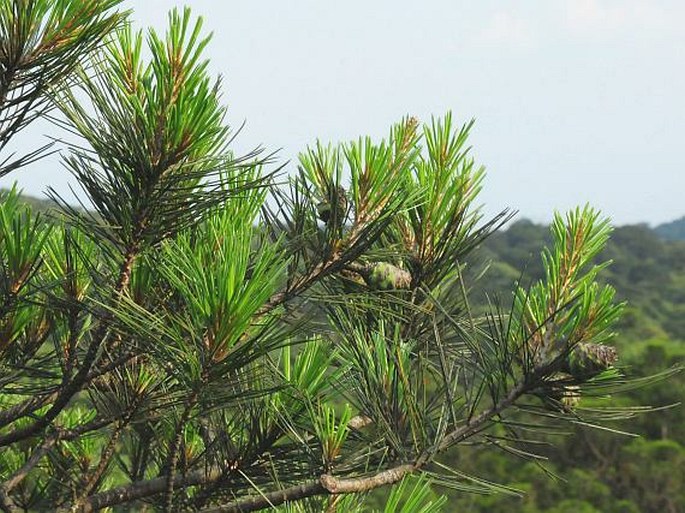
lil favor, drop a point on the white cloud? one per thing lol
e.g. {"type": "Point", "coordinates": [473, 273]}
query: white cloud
{"type": "Point", "coordinates": [606, 17]}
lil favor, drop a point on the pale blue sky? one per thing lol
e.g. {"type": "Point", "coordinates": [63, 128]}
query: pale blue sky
{"type": "Point", "coordinates": [575, 100]}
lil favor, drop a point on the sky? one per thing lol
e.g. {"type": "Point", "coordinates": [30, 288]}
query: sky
{"type": "Point", "coordinates": [575, 101]}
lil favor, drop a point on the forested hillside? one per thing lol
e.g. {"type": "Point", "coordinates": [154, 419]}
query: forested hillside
{"type": "Point", "coordinates": [42, 205]}
{"type": "Point", "coordinates": [675, 230]}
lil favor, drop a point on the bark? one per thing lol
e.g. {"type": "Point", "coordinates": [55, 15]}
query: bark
{"type": "Point", "coordinates": [135, 491]}
{"type": "Point", "coordinates": [325, 485]}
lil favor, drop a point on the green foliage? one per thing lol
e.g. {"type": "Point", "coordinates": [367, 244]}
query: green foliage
{"type": "Point", "coordinates": [644, 271]}
{"type": "Point", "coordinates": [207, 338]}
{"type": "Point", "coordinates": [157, 135]}
{"type": "Point", "coordinates": [41, 43]}
{"type": "Point", "coordinates": [416, 499]}
{"type": "Point", "coordinates": [24, 324]}
{"type": "Point", "coordinates": [568, 295]}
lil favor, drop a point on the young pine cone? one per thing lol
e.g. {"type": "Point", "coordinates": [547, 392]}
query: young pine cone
{"type": "Point", "coordinates": [386, 276]}
{"type": "Point", "coordinates": [587, 360]}
{"type": "Point", "coordinates": [324, 208]}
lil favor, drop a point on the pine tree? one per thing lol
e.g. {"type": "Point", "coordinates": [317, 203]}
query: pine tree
{"type": "Point", "coordinates": [201, 337]}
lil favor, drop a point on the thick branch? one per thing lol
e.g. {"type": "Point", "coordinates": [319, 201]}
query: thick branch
{"type": "Point", "coordinates": [329, 485]}
{"type": "Point", "coordinates": [334, 485]}
{"type": "Point", "coordinates": [141, 490]}
{"type": "Point", "coordinates": [271, 499]}
{"type": "Point", "coordinates": [325, 485]}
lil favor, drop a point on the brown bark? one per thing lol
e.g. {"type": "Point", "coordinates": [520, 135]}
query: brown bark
{"type": "Point", "coordinates": [325, 485]}
{"type": "Point", "coordinates": [135, 491]}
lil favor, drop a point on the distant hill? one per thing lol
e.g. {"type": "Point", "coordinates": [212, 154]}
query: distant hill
{"type": "Point", "coordinates": [675, 230]}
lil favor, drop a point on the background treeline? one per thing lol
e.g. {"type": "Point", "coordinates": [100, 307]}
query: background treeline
{"type": "Point", "coordinates": [590, 470]}
{"type": "Point", "coordinates": [675, 230]}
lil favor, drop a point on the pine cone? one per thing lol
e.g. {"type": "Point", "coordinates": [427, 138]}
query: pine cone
{"type": "Point", "coordinates": [324, 210]}
{"type": "Point", "coordinates": [386, 276]}
{"type": "Point", "coordinates": [587, 360]}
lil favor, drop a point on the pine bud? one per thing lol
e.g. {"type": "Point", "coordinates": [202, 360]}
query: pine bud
{"type": "Point", "coordinates": [570, 396]}
{"type": "Point", "coordinates": [587, 360]}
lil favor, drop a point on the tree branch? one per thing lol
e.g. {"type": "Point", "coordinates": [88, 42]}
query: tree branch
{"type": "Point", "coordinates": [325, 485]}
{"type": "Point", "coordinates": [328, 484]}
{"type": "Point", "coordinates": [257, 502]}
{"type": "Point", "coordinates": [141, 490]}
{"type": "Point", "coordinates": [73, 386]}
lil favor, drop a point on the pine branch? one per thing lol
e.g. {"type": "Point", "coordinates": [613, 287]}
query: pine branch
{"type": "Point", "coordinates": [143, 489]}
{"type": "Point", "coordinates": [325, 485]}
{"type": "Point", "coordinates": [29, 406]}
{"type": "Point", "coordinates": [73, 386]}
